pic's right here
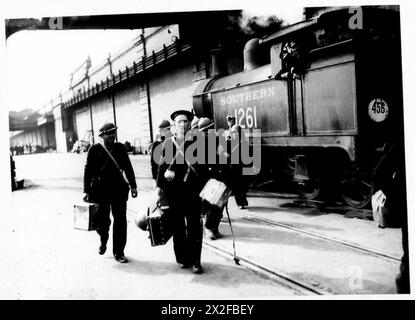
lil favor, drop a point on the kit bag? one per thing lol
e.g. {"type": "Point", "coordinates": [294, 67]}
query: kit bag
{"type": "Point", "coordinates": [216, 193]}
{"type": "Point", "coordinates": [381, 214]}
{"type": "Point", "coordinates": [123, 177]}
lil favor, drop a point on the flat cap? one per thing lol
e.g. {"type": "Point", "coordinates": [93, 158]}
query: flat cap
{"type": "Point", "coordinates": [164, 124]}
{"type": "Point", "coordinates": [230, 117]}
{"type": "Point", "coordinates": [195, 122]}
{"type": "Point", "coordinates": [179, 112]}
{"type": "Point", "coordinates": [204, 123]}
{"type": "Point", "coordinates": [107, 128]}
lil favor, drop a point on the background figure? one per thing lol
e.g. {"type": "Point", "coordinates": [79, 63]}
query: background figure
{"type": "Point", "coordinates": [13, 173]}
{"type": "Point", "coordinates": [213, 213]}
{"type": "Point", "coordinates": [231, 121]}
{"type": "Point", "coordinates": [194, 125]}
{"type": "Point", "coordinates": [163, 133]}
{"type": "Point", "coordinates": [389, 176]}
{"type": "Point", "coordinates": [238, 182]}
{"type": "Point", "coordinates": [104, 184]}
{"type": "Point", "coordinates": [182, 184]}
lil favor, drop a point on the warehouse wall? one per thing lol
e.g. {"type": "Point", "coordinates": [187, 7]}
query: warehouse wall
{"type": "Point", "coordinates": [171, 90]}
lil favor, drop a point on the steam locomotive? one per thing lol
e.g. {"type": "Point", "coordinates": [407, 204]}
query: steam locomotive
{"type": "Point", "coordinates": [326, 94]}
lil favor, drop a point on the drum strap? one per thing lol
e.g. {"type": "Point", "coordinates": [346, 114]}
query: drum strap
{"type": "Point", "coordinates": [235, 258]}
{"type": "Point", "coordinates": [115, 162]}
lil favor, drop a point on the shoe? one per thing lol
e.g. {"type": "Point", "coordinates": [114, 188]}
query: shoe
{"type": "Point", "coordinates": [217, 234]}
{"type": "Point", "coordinates": [185, 266]}
{"type": "Point", "coordinates": [197, 268]}
{"type": "Point", "coordinates": [241, 207]}
{"type": "Point", "coordinates": [121, 258]}
{"type": "Point", "coordinates": [102, 249]}
{"type": "Point", "coordinates": [210, 234]}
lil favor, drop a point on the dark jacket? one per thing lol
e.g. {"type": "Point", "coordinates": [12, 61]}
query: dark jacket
{"type": "Point", "coordinates": [100, 169]}
{"type": "Point", "coordinates": [389, 176]}
{"type": "Point", "coordinates": [187, 182]}
{"type": "Point", "coordinates": [154, 162]}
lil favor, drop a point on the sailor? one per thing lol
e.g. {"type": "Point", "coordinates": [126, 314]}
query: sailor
{"type": "Point", "coordinates": [181, 182]}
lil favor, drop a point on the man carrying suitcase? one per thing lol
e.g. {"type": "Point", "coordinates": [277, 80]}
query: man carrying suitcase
{"type": "Point", "coordinates": [105, 184]}
{"type": "Point", "coordinates": [181, 181]}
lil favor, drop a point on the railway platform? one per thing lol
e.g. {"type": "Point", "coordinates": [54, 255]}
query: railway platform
{"type": "Point", "coordinates": [312, 248]}
{"type": "Point", "coordinates": [305, 248]}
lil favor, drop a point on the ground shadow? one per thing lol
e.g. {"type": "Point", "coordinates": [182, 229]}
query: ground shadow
{"type": "Point", "coordinates": [260, 209]}
{"type": "Point", "coordinates": [344, 285]}
{"type": "Point", "coordinates": [257, 232]}
{"type": "Point", "coordinates": [216, 275]}
{"type": "Point", "coordinates": [298, 225]}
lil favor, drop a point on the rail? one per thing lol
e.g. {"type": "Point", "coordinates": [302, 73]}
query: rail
{"type": "Point", "coordinates": [138, 67]}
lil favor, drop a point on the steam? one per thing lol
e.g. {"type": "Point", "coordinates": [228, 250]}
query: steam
{"type": "Point", "coordinates": [254, 24]}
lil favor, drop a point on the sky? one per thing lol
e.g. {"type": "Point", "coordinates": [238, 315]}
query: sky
{"type": "Point", "coordinates": [39, 63]}
{"type": "Point", "coordinates": [46, 58]}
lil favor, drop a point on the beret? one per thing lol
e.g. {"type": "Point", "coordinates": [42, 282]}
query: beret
{"type": "Point", "coordinates": [164, 124]}
{"type": "Point", "coordinates": [106, 128]}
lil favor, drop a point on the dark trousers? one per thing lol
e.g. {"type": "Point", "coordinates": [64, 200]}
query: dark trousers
{"type": "Point", "coordinates": [402, 280]}
{"type": "Point", "coordinates": [213, 215]}
{"type": "Point", "coordinates": [119, 214]}
{"type": "Point", "coordinates": [239, 185]}
{"type": "Point", "coordinates": [240, 198]}
{"type": "Point", "coordinates": [188, 233]}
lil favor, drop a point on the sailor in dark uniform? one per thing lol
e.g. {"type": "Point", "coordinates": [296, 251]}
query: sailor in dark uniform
{"type": "Point", "coordinates": [390, 177]}
{"type": "Point", "coordinates": [105, 184]}
{"type": "Point", "coordinates": [182, 184]}
{"type": "Point", "coordinates": [216, 171]}
{"type": "Point", "coordinates": [164, 132]}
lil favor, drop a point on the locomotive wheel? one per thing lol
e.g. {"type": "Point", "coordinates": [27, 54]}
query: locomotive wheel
{"type": "Point", "coordinates": [357, 190]}
{"type": "Point", "coordinates": [310, 189]}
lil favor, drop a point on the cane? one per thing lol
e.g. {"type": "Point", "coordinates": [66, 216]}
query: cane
{"type": "Point", "coordinates": [235, 258]}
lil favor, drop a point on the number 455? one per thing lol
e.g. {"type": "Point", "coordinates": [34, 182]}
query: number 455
{"type": "Point", "coordinates": [378, 107]}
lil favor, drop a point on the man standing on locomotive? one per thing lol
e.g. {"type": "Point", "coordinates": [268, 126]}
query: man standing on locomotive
{"type": "Point", "coordinates": [181, 181]}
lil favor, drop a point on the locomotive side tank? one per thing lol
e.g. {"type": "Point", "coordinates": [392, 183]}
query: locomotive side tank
{"type": "Point", "coordinates": [326, 95]}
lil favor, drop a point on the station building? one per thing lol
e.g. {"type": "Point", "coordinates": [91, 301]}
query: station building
{"type": "Point", "coordinates": [138, 86]}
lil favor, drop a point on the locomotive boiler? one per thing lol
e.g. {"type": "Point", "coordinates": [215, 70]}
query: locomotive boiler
{"type": "Point", "coordinates": [326, 94]}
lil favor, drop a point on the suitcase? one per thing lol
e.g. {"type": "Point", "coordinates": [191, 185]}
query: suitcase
{"type": "Point", "coordinates": [86, 216]}
{"type": "Point", "coordinates": [216, 193]}
{"type": "Point", "coordinates": [159, 226]}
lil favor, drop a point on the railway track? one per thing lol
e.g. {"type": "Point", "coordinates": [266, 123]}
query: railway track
{"type": "Point", "coordinates": [298, 286]}
{"type": "Point", "coordinates": [319, 236]}
{"type": "Point", "coordinates": [282, 278]}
